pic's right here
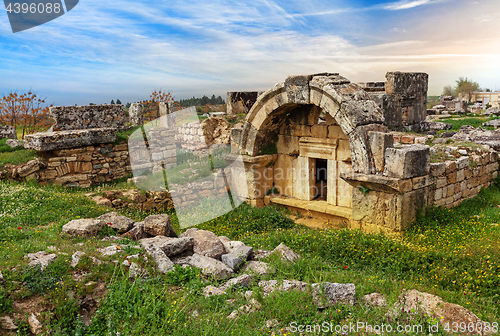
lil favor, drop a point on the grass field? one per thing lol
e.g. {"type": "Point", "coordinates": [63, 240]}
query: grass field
{"type": "Point", "coordinates": [451, 253]}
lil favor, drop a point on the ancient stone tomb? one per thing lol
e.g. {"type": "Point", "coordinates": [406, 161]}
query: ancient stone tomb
{"type": "Point", "coordinates": [318, 144]}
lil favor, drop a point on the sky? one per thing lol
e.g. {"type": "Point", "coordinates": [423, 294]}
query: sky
{"type": "Point", "coordinates": [103, 50]}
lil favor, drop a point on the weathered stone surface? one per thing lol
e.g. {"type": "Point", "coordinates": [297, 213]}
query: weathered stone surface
{"type": "Point", "coordinates": [232, 245]}
{"type": "Point", "coordinates": [13, 143]}
{"type": "Point", "coordinates": [439, 126]}
{"type": "Point", "coordinates": [260, 254]}
{"type": "Point", "coordinates": [8, 132]}
{"type": "Point", "coordinates": [374, 299]}
{"type": "Point", "coordinates": [163, 262]}
{"type": "Point", "coordinates": [159, 225]}
{"type": "Point", "coordinates": [135, 271]}
{"type": "Point", "coordinates": [287, 254]}
{"type": "Point", "coordinates": [109, 250]}
{"type": "Point", "coordinates": [6, 323]}
{"type": "Point", "coordinates": [1, 277]}
{"type": "Point", "coordinates": [29, 168]}
{"type": "Point", "coordinates": [259, 267]}
{"type": "Point", "coordinates": [216, 130]}
{"type": "Point", "coordinates": [35, 325]}
{"type": "Point", "coordinates": [269, 286]}
{"type": "Point", "coordinates": [328, 294]}
{"type": "Point", "coordinates": [245, 280]}
{"type": "Point", "coordinates": [171, 246]}
{"type": "Point", "coordinates": [447, 313]}
{"type": "Point", "coordinates": [212, 290]}
{"type": "Point", "coordinates": [137, 232]}
{"type": "Point", "coordinates": [41, 258]}
{"type": "Point", "coordinates": [237, 257]}
{"type": "Point", "coordinates": [83, 227]}
{"type": "Point", "coordinates": [87, 117]}
{"type": "Point", "coordinates": [407, 162]}
{"type": "Point", "coordinates": [210, 266]}
{"type": "Point", "coordinates": [135, 113]}
{"type": "Point", "coordinates": [206, 243]}
{"type": "Point", "coordinates": [75, 258]}
{"type": "Point", "coordinates": [120, 223]}
{"type": "Point", "coordinates": [49, 141]}
{"type": "Point", "coordinates": [240, 102]}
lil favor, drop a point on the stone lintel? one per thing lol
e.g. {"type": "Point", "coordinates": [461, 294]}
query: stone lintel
{"type": "Point", "coordinates": [376, 182]}
{"type": "Point", "coordinates": [49, 141]}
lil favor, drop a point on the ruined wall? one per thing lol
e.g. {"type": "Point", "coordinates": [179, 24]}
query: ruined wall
{"type": "Point", "coordinates": [241, 102]}
{"type": "Point", "coordinates": [403, 97]}
{"type": "Point", "coordinates": [459, 180]}
{"type": "Point", "coordinates": [86, 117]}
{"type": "Point", "coordinates": [78, 167]}
{"type": "Point", "coordinates": [7, 132]}
{"type": "Point", "coordinates": [196, 135]}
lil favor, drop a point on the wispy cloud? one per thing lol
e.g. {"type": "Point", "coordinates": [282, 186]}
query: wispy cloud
{"type": "Point", "coordinates": [405, 4]}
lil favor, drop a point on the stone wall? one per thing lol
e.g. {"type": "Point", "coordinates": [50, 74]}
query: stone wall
{"type": "Point", "coordinates": [458, 180]}
{"type": "Point", "coordinates": [196, 135]}
{"type": "Point", "coordinates": [8, 132]}
{"type": "Point", "coordinates": [403, 97]}
{"type": "Point", "coordinates": [70, 118]}
{"type": "Point", "coordinates": [78, 167]}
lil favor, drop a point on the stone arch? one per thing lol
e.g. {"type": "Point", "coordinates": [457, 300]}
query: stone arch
{"type": "Point", "coordinates": [346, 102]}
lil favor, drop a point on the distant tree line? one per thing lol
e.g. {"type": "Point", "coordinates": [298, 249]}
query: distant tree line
{"type": "Point", "coordinates": [201, 101]}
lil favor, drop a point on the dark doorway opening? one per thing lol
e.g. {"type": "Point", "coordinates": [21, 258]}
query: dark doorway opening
{"type": "Point", "coordinates": [321, 179]}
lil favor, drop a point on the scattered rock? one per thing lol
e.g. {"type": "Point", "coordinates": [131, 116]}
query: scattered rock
{"type": "Point", "coordinates": [195, 313]}
{"type": "Point", "coordinates": [1, 277]}
{"type": "Point", "coordinates": [6, 323]}
{"type": "Point", "coordinates": [35, 325]}
{"type": "Point", "coordinates": [237, 257]}
{"type": "Point", "coordinates": [109, 250]}
{"type": "Point", "coordinates": [374, 299]}
{"type": "Point", "coordinates": [272, 323]}
{"type": "Point", "coordinates": [52, 248]}
{"type": "Point", "coordinates": [95, 260]}
{"type": "Point", "coordinates": [159, 225]}
{"type": "Point", "coordinates": [224, 239]}
{"type": "Point", "coordinates": [135, 271]}
{"type": "Point", "coordinates": [163, 262]}
{"type": "Point", "coordinates": [206, 243]}
{"type": "Point", "coordinates": [212, 290]}
{"type": "Point", "coordinates": [259, 267]}
{"type": "Point", "coordinates": [126, 263]}
{"type": "Point", "coordinates": [75, 258]}
{"type": "Point", "coordinates": [248, 294]}
{"type": "Point", "coordinates": [83, 227]}
{"type": "Point", "coordinates": [287, 254]}
{"type": "Point", "coordinates": [233, 315]}
{"type": "Point", "coordinates": [137, 232]}
{"type": "Point", "coordinates": [210, 266]}
{"type": "Point", "coordinates": [244, 280]}
{"type": "Point", "coordinates": [41, 258]}
{"type": "Point", "coordinates": [13, 143]}
{"type": "Point", "coordinates": [328, 294]}
{"type": "Point", "coordinates": [171, 246]}
{"type": "Point", "coordinates": [447, 313]}
{"type": "Point", "coordinates": [102, 201]}
{"type": "Point", "coordinates": [439, 126]}
{"type": "Point", "coordinates": [260, 254]}
{"type": "Point", "coordinates": [269, 286]}
{"type": "Point", "coordinates": [120, 223]}
{"type": "Point", "coordinates": [448, 134]}
{"type": "Point", "coordinates": [232, 245]}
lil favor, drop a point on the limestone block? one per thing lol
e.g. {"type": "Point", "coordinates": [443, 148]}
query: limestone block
{"type": "Point", "coordinates": [343, 150]}
{"type": "Point", "coordinates": [438, 194]}
{"type": "Point", "coordinates": [451, 166]}
{"type": "Point", "coordinates": [83, 227]}
{"type": "Point", "coordinates": [210, 266]}
{"type": "Point", "coordinates": [69, 139]}
{"type": "Point", "coordinates": [460, 175]}
{"type": "Point", "coordinates": [344, 189]}
{"type": "Point", "coordinates": [206, 243]}
{"type": "Point", "coordinates": [410, 161]}
{"type": "Point", "coordinates": [286, 253]}
{"type": "Point", "coordinates": [88, 117]}
{"type": "Point", "coordinates": [170, 246]}
{"type": "Point", "coordinates": [120, 223]}
{"type": "Point", "coordinates": [288, 145]}
{"type": "Point", "coordinates": [328, 294]}
{"type": "Point", "coordinates": [319, 131]}
{"type": "Point", "coordinates": [240, 102]}
{"type": "Point", "coordinates": [336, 132]}
{"type": "Point", "coordinates": [438, 169]}
{"type": "Point", "coordinates": [237, 257]}
{"type": "Point", "coordinates": [462, 162]}
{"type": "Point", "coordinates": [304, 178]}
{"type": "Point", "coordinates": [379, 142]}
{"type": "Point", "coordinates": [300, 130]}
{"type": "Point", "coordinates": [451, 177]}
{"type": "Point", "coordinates": [422, 181]}
{"type": "Point", "coordinates": [297, 89]}
{"type": "Point", "coordinates": [283, 174]}
{"type": "Point", "coordinates": [159, 225]}
{"type": "Point", "coordinates": [331, 196]}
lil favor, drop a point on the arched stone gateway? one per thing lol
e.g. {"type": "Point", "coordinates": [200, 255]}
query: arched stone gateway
{"type": "Point", "coordinates": [318, 144]}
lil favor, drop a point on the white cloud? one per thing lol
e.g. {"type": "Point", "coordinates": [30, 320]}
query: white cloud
{"type": "Point", "coordinates": [405, 4]}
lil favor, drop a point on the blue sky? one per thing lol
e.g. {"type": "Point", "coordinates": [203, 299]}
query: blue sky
{"type": "Point", "coordinates": [103, 50]}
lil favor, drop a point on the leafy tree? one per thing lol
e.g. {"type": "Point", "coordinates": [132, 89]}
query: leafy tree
{"type": "Point", "coordinates": [25, 110]}
{"type": "Point", "coordinates": [118, 102]}
{"type": "Point", "coordinates": [128, 105]}
{"type": "Point", "coordinates": [112, 102]}
{"type": "Point", "coordinates": [151, 107]}
{"type": "Point", "coordinates": [449, 91]}
{"type": "Point", "coordinates": [466, 87]}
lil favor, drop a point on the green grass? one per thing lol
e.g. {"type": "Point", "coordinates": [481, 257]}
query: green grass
{"type": "Point", "coordinates": [457, 123]}
{"type": "Point", "coordinates": [15, 156]}
{"type": "Point", "coordinates": [451, 253]}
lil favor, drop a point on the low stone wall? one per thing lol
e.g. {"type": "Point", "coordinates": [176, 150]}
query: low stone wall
{"type": "Point", "coordinates": [78, 167]}
{"type": "Point", "coordinates": [196, 135]}
{"type": "Point", "coordinates": [7, 132]}
{"type": "Point", "coordinates": [458, 180]}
